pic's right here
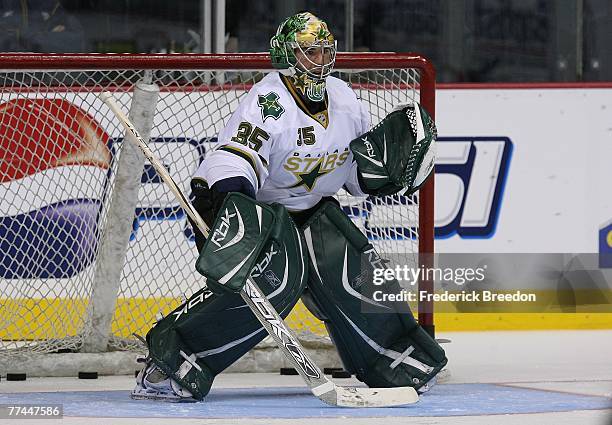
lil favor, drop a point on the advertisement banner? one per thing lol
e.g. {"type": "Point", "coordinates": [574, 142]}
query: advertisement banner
{"type": "Point", "coordinates": [524, 170]}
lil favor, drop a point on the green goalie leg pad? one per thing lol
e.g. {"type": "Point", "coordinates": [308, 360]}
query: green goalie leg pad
{"type": "Point", "coordinates": [213, 331]}
{"type": "Point", "coordinates": [170, 353]}
{"type": "Point", "coordinates": [381, 343]}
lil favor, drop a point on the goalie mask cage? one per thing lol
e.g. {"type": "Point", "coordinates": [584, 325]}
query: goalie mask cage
{"type": "Point", "coordinates": [93, 246]}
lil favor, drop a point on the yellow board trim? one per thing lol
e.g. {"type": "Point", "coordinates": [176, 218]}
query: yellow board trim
{"type": "Point", "coordinates": [458, 322]}
{"type": "Point", "coordinates": [31, 319]}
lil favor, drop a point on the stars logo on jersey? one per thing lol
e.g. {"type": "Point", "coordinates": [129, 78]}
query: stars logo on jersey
{"type": "Point", "coordinates": [307, 168]}
{"type": "Point", "coordinates": [308, 179]}
{"type": "Point", "coordinates": [270, 106]}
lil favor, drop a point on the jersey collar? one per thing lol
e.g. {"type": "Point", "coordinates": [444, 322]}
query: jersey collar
{"type": "Point", "coordinates": [322, 117]}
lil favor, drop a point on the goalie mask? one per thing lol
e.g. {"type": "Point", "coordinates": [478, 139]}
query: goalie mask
{"type": "Point", "coordinates": [305, 49]}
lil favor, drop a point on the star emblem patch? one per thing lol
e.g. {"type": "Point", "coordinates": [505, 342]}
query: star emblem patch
{"type": "Point", "coordinates": [270, 106]}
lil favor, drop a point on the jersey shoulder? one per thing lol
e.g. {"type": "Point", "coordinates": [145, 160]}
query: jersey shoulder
{"type": "Point", "coordinates": [268, 103]}
{"type": "Point", "coordinates": [342, 94]}
{"type": "Point", "coordinates": [339, 86]}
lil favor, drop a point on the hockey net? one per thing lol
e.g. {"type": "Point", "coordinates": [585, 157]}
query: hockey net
{"type": "Point", "coordinates": [67, 281]}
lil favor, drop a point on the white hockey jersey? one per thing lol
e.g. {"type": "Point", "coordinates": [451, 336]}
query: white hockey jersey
{"type": "Point", "coordinates": [290, 156]}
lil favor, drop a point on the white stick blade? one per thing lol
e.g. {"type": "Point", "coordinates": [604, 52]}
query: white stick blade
{"type": "Point", "coordinates": [376, 397]}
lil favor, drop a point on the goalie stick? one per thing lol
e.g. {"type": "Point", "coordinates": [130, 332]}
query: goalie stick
{"type": "Point", "coordinates": [319, 385]}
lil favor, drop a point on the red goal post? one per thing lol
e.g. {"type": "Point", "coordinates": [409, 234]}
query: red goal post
{"type": "Point", "coordinates": [51, 121]}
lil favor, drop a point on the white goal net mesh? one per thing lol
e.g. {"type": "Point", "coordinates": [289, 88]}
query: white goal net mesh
{"type": "Point", "coordinates": [59, 150]}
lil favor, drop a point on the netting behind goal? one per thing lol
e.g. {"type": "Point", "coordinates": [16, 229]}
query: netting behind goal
{"type": "Point", "coordinates": [92, 252]}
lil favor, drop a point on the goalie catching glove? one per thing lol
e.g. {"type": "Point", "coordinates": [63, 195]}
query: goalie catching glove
{"type": "Point", "coordinates": [397, 153]}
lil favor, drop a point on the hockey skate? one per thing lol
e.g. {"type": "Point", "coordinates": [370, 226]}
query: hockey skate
{"type": "Point", "coordinates": [153, 384]}
{"type": "Point", "coordinates": [425, 388]}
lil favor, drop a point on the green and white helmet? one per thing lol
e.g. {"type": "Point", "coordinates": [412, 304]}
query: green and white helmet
{"type": "Point", "coordinates": [297, 40]}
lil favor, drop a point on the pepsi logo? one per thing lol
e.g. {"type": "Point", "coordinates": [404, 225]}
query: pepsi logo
{"type": "Point", "coordinates": [54, 162]}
